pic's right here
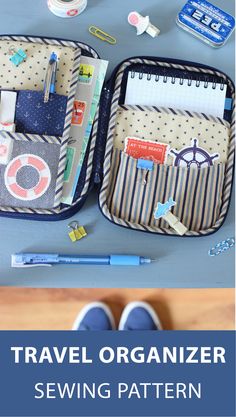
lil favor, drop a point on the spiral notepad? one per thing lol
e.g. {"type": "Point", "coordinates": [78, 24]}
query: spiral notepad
{"type": "Point", "coordinates": [183, 94]}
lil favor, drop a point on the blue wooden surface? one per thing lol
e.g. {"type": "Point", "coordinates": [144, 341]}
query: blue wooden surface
{"type": "Point", "coordinates": [180, 262]}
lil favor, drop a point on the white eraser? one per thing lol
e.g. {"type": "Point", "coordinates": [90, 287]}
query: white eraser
{"type": "Point", "coordinates": [6, 147]}
{"type": "Point", "coordinates": [7, 127]}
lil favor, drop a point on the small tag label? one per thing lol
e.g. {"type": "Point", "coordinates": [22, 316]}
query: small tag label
{"type": "Point", "coordinates": [145, 149]}
{"type": "Point", "coordinates": [228, 104]}
{"type": "Point", "coordinates": [78, 113]}
{"type": "Point", "coordinates": [86, 72]}
{"type": "Point", "coordinates": [69, 163]}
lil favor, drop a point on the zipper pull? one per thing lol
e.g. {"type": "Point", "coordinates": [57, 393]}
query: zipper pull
{"type": "Point", "coordinates": [97, 178]}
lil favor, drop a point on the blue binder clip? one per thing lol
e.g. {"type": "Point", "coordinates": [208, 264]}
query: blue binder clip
{"type": "Point", "coordinates": [17, 57]}
{"type": "Point", "coordinates": [146, 166]}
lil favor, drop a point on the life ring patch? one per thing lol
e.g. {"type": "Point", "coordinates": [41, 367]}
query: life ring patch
{"type": "Point", "coordinates": [44, 177]}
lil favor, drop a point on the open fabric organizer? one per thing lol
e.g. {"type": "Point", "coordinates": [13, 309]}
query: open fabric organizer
{"type": "Point", "coordinates": [202, 195]}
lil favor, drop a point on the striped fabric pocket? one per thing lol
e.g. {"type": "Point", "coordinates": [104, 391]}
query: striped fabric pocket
{"type": "Point", "coordinates": [133, 193]}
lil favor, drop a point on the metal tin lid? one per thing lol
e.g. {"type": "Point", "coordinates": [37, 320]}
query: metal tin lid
{"type": "Point", "coordinates": [206, 21]}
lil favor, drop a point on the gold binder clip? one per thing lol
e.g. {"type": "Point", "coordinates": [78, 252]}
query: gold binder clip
{"type": "Point", "coordinates": [102, 35]}
{"type": "Point", "coordinates": [77, 232]}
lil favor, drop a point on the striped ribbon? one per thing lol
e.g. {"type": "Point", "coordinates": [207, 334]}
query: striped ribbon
{"type": "Point", "coordinates": [175, 112]}
{"type": "Point", "coordinates": [31, 137]}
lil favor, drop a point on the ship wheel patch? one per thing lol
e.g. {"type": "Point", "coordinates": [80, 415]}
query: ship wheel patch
{"type": "Point", "coordinates": [193, 156]}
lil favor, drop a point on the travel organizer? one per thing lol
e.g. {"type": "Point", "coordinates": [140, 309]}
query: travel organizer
{"type": "Point", "coordinates": [128, 193]}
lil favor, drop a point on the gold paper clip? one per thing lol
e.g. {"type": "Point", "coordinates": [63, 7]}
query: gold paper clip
{"type": "Point", "coordinates": [102, 35]}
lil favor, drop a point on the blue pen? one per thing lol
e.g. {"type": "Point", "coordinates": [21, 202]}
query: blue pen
{"type": "Point", "coordinates": [22, 260]}
{"type": "Point", "coordinates": [54, 73]}
{"type": "Point", "coordinates": [50, 80]}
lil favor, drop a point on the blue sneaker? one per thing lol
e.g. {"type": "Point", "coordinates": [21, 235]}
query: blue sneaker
{"type": "Point", "coordinates": [95, 316]}
{"type": "Point", "coordinates": [139, 316]}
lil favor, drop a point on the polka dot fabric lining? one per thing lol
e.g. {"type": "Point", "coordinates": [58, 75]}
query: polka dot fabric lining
{"type": "Point", "coordinates": [30, 74]}
{"type": "Point", "coordinates": [175, 130]}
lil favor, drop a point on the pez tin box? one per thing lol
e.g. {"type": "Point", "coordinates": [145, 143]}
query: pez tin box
{"type": "Point", "coordinates": [206, 21]}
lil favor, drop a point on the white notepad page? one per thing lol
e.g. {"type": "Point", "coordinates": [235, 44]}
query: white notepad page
{"type": "Point", "coordinates": [146, 90]}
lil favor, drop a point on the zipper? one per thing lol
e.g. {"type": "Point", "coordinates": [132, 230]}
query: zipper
{"type": "Point", "coordinates": [103, 121]}
{"type": "Point", "coordinates": [51, 38]}
{"type": "Point", "coordinates": [168, 60]}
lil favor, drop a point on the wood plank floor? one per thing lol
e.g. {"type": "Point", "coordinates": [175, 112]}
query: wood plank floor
{"type": "Point", "coordinates": [56, 309]}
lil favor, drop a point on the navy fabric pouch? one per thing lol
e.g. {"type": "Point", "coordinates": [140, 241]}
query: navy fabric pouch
{"type": "Point", "coordinates": [33, 116]}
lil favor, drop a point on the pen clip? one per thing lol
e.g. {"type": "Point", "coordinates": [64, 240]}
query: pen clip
{"type": "Point", "coordinates": [28, 265]}
{"type": "Point", "coordinates": [47, 83]}
{"type": "Point", "coordinates": [28, 260]}
{"type": "Point", "coordinates": [16, 264]}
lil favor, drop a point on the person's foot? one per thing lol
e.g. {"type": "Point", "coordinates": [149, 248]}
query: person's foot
{"type": "Point", "coordinates": [139, 316]}
{"type": "Point", "coordinates": [95, 316]}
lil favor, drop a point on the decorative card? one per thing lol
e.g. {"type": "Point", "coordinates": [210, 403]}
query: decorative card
{"type": "Point", "coordinates": [146, 149]}
{"type": "Point", "coordinates": [78, 113]}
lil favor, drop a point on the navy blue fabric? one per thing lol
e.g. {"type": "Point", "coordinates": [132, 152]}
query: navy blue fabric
{"type": "Point", "coordinates": [95, 319]}
{"type": "Point", "coordinates": [36, 117]}
{"type": "Point", "coordinates": [139, 318]}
